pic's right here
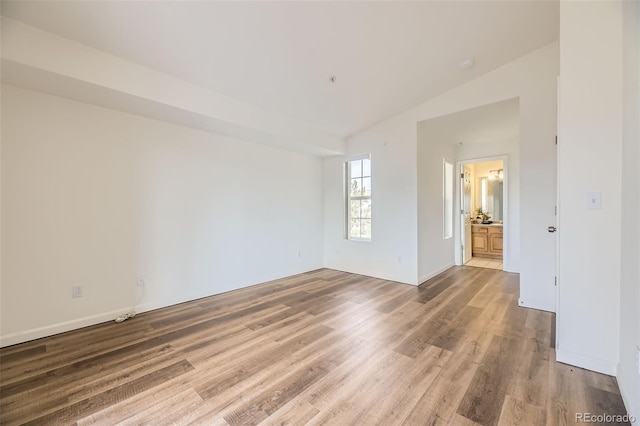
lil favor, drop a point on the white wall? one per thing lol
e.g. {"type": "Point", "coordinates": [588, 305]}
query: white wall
{"type": "Point", "coordinates": [590, 156]}
{"type": "Point", "coordinates": [94, 197]}
{"type": "Point", "coordinates": [628, 375]}
{"type": "Point", "coordinates": [435, 254]}
{"type": "Point", "coordinates": [393, 144]}
{"type": "Point", "coordinates": [391, 253]}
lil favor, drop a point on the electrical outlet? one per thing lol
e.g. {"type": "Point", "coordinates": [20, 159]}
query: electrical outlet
{"type": "Point", "coordinates": [76, 291]}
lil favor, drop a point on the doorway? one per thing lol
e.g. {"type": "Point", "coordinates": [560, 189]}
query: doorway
{"type": "Point", "coordinates": [483, 209]}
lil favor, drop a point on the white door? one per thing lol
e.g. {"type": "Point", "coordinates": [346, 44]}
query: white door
{"type": "Point", "coordinates": [466, 213]}
{"type": "Point", "coordinates": [537, 226]}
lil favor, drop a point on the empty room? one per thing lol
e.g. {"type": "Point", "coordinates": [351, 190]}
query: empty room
{"type": "Point", "coordinates": [341, 213]}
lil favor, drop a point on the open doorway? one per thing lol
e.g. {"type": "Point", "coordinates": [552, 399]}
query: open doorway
{"type": "Point", "coordinates": [482, 214]}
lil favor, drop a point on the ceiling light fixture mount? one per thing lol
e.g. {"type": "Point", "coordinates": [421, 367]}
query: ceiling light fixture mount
{"type": "Point", "coordinates": [467, 64]}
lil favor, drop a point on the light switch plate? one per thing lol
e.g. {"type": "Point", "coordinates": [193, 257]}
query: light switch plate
{"type": "Point", "coordinates": [594, 200]}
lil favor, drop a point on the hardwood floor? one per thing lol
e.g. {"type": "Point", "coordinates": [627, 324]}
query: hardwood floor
{"type": "Point", "coordinates": [325, 347]}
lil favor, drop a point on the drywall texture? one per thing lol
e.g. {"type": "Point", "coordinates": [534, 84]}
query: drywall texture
{"type": "Point", "coordinates": [95, 197]}
{"type": "Point", "coordinates": [628, 374]}
{"type": "Point", "coordinates": [435, 253]}
{"type": "Point", "coordinates": [393, 253]}
{"type": "Point", "coordinates": [590, 157]}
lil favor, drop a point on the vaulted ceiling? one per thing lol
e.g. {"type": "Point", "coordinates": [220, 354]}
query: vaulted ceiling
{"type": "Point", "coordinates": [279, 56]}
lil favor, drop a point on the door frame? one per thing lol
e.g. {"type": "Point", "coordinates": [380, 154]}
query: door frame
{"type": "Point", "coordinates": [465, 246]}
{"type": "Point", "coordinates": [506, 228]}
{"type": "Point", "coordinates": [557, 217]}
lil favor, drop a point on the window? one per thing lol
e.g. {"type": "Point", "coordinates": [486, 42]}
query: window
{"type": "Point", "coordinates": [447, 199]}
{"type": "Point", "coordinates": [358, 199]}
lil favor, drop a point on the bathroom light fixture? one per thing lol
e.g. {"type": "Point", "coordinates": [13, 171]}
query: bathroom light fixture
{"type": "Point", "coordinates": [496, 174]}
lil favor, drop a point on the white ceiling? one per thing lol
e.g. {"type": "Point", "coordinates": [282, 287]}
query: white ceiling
{"type": "Point", "coordinates": [386, 56]}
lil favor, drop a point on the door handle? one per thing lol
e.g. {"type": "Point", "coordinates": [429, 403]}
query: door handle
{"type": "Point", "coordinates": [552, 229]}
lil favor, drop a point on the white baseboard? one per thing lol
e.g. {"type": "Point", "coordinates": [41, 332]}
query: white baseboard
{"type": "Point", "coordinates": [597, 365]}
{"type": "Point", "coordinates": [536, 304]}
{"type": "Point", "coordinates": [438, 272]}
{"type": "Point", "coordinates": [373, 274]}
{"type": "Point", "coordinates": [62, 327]}
{"type": "Point", "coordinates": [632, 411]}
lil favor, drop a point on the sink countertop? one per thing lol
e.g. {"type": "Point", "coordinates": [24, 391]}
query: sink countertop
{"type": "Point", "coordinates": [487, 224]}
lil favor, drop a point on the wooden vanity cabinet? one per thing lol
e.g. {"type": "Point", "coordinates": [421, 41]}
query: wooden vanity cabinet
{"type": "Point", "coordinates": [480, 240]}
{"type": "Point", "coordinates": [486, 241]}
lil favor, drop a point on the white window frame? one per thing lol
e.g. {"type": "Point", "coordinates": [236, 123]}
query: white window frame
{"type": "Point", "coordinates": [348, 198]}
{"type": "Point", "coordinates": [447, 199]}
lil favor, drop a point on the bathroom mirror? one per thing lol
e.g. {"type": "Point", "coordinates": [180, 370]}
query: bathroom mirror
{"type": "Point", "coordinates": [489, 193]}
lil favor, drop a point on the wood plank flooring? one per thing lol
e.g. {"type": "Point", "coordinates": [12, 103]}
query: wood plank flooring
{"type": "Point", "coordinates": [325, 347]}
